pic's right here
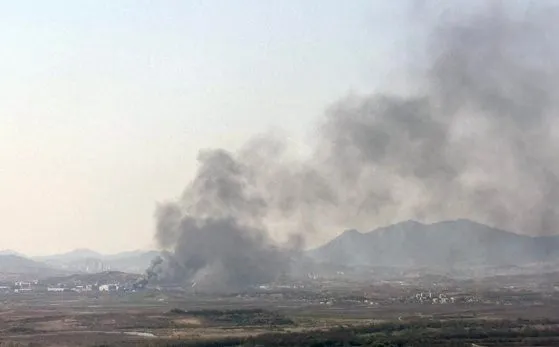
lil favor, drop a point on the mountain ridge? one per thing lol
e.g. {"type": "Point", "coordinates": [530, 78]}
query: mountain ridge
{"type": "Point", "coordinates": [446, 244]}
{"type": "Point", "coordinates": [16, 264]}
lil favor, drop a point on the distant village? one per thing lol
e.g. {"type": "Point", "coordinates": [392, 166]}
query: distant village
{"type": "Point", "coordinates": [335, 290]}
{"type": "Point", "coordinates": [18, 287]}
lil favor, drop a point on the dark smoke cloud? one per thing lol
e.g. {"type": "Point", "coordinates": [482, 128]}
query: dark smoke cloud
{"type": "Point", "coordinates": [477, 141]}
{"type": "Point", "coordinates": [216, 231]}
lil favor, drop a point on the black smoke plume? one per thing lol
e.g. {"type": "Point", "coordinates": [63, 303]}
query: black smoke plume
{"type": "Point", "coordinates": [478, 140]}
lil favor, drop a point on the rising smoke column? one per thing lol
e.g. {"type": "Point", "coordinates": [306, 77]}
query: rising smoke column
{"type": "Point", "coordinates": [479, 141]}
{"type": "Point", "coordinates": [215, 230]}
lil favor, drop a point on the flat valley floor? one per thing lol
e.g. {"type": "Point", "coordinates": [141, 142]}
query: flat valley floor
{"type": "Point", "coordinates": [321, 317]}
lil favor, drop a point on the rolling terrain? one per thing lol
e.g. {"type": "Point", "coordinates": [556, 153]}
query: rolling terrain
{"type": "Point", "coordinates": [447, 244]}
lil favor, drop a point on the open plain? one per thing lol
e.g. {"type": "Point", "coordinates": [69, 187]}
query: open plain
{"type": "Point", "coordinates": [499, 311]}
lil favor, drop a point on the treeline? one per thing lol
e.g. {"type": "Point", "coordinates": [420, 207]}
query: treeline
{"type": "Point", "coordinates": [241, 317]}
{"type": "Point", "coordinates": [209, 312]}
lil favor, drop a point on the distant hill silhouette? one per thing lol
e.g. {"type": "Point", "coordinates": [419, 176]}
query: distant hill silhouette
{"type": "Point", "coordinates": [86, 260]}
{"type": "Point", "coordinates": [15, 264]}
{"type": "Point", "coordinates": [10, 252]}
{"type": "Point", "coordinates": [445, 244]}
{"type": "Point", "coordinates": [77, 254]}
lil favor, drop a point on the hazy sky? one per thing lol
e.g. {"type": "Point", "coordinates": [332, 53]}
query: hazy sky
{"type": "Point", "coordinates": [105, 104]}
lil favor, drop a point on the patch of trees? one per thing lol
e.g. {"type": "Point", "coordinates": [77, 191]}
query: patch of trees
{"type": "Point", "coordinates": [241, 317]}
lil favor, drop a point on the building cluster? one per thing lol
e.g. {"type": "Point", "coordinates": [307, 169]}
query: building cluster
{"type": "Point", "coordinates": [78, 289]}
{"type": "Point", "coordinates": [20, 287]}
{"type": "Point", "coordinates": [442, 298]}
{"type": "Point", "coordinates": [432, 298]}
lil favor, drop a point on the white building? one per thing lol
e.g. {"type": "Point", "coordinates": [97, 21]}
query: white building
{"type": "Point", "coordinates": [81, 289]}
{"type": "Point", "coordinates": [23, 284]}
{"type": "Point", "coordinates": [108, 288]}
{"type": "Point", "coordinates": [22, 290]}
{"type": "Point", "coordinates": [55, 289]}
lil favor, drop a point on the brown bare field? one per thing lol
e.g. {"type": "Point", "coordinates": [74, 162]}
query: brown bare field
{"type": "Point", "coordinates": [156, 318]}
